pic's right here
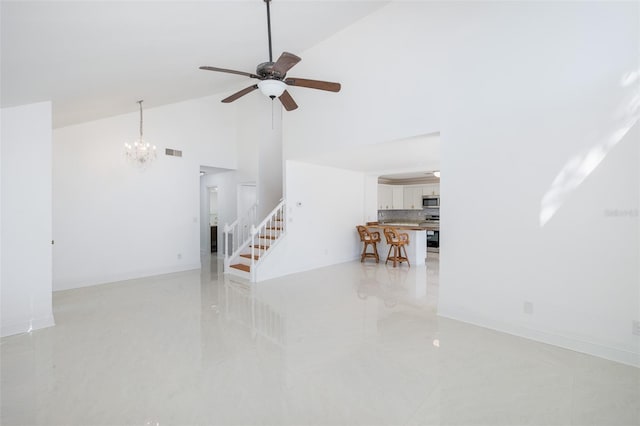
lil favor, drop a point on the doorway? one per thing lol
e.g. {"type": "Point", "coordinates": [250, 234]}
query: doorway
{"type": "Point", "coordinates": [213, 218]}
{"type": "Point", "coordinates": [217, 193]}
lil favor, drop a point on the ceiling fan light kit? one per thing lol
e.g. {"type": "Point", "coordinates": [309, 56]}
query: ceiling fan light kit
{"type": "Point", "coordinates": [272, 88]}
{"type": "Point", "coordinates": [273, 76]}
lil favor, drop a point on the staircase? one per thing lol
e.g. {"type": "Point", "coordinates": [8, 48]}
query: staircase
{"type": "Point", "coordinates": [244, 254]}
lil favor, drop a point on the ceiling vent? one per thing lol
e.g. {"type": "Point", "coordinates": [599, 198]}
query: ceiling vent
{"type": "Point", "coordinates": [173, 152]}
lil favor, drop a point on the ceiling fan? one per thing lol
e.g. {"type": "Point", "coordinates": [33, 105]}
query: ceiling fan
{"type": "Point", "coordinates": [273, 76]}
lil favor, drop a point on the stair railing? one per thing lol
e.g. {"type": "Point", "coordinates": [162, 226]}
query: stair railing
{"type": "Point", "coordinates": [238, 233]}
{"type": "Point", "coordinates": [267, 233]}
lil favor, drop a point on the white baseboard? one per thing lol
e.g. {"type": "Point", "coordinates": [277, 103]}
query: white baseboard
{"type": "Point", "coordinates": [11, 328]}
{"type": "Point", "coordinates": [590, 348]}
{"type": "Point", "coordinates": [91, 281]}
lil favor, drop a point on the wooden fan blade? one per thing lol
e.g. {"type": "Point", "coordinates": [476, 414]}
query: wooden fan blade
{"type": "Point", "coordinates": [313, 84]}
{"type": "Point", "coordinates": [285, 62]}
{"type": "Point", "coordinates": [287, 101]}
{"type": "Point", "coordinates": [240, 94]}
{"type": "Point", "coordinates": [229, 71]}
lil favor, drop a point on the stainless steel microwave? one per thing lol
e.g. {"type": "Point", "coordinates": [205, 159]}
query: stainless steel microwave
{"type": "Point", "coordinates": [431, 201]}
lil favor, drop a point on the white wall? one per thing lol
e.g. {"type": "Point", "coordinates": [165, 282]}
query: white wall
{"type": "Point", "coordinates": [113, 221]}
{"type": "Point", "coordinates": [370, 198]}
{"type": "Point", "coordinates": [579, 269]}
{"type": "Point", "coordinates": [260, 148]}
{"type": "Point", "coordinates": [258, 177]}
{"type": "Point", "coordinates": [26, 218]}
{"type": "Point", "coordinates": [524, 94]}
{"type": "Point", "coordinates": [205, 230]}
{"type": "Point", "coordinates": [247, 197]}
{"type": "Point", "coordinates": [390, 74]}
{"type": "Point", "coordinates": [324, 206]}
{"type": "Point", "coordinates": [213, 206]}
{"type": "Point", "coordinates": [270, 165]}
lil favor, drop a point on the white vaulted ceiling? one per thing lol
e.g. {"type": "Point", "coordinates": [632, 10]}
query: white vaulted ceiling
{"type": "Point", "coordinates": [95, 59]}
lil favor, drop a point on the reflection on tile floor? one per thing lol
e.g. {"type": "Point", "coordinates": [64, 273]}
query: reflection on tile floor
{"type": "Point", "coordinates": [350, 344]}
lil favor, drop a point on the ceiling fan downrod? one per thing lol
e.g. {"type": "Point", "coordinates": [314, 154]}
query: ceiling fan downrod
{"type": "Point", "coordinates": [269, 29]}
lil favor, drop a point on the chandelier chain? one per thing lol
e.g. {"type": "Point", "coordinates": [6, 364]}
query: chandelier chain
{"type": "Point", "coordinates": [140, 102]}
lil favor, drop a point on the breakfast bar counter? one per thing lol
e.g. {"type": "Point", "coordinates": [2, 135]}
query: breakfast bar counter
{"type": "Point", "coordinates": [417, 248]}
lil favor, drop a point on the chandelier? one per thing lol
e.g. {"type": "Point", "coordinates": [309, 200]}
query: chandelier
{"type": "Point", "coordinates": [140, 152]}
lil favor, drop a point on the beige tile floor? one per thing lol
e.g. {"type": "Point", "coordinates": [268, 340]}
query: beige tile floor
{"type": "Point", "coordinates": [349, 344]}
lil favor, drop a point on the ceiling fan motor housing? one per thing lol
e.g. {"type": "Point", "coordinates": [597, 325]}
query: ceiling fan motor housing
{"type": "Point", "coordinates": [265, 70]}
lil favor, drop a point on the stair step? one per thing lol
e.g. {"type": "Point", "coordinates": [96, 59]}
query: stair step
{"type": "Point", "coordinates": [260, 246]}
{"type": "Point", "coordinates": [269, 237]}
{"type": "Point", "coordinates": [248, 256]}
{"type": "Point", "coordinates": [275, 228]}
{"type": "Point", "coordinates": [242, 267]}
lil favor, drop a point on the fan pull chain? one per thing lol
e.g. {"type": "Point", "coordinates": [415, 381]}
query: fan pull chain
{"type": "Point", "coordinates": [272, 114]}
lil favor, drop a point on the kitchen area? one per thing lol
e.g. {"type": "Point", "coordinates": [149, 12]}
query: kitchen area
{"type": "Point", "coordinates": [411, 202]}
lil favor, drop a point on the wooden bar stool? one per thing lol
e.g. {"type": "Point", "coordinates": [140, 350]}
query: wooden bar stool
{"type": "Point", "coordinates": [397, 242]}
{"type": "Point", "coordinates": [368, 239]}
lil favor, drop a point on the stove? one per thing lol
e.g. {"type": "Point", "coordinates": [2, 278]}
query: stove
{"type": "Point", "coordinates": [433, 237]}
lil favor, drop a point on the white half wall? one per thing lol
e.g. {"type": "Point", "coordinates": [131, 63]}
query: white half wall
{"type": "Point", "coordinates": [536, 104]}
{"type": "Point", "coordinates": [324, 205]}
{"type": "Point", "coordinates": [113, 221]}
{"type": "Point", "coordinates": [25, 277]}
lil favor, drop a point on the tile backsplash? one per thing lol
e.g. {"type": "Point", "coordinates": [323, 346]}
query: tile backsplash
{"type": "Point", "coordinates": [406, 215]}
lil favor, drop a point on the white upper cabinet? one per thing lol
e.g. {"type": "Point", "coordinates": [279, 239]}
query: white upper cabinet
{"type": "Point", "coordinates": [385, 197]}
{"type": "Point", "coordinates": [398, 197]}
{"type": "Point", "coordinates": [413, 197]}
{"type": "Point", "coordinates": [404, 197]}
{"type": "Point", "coordinates": [431, 189]}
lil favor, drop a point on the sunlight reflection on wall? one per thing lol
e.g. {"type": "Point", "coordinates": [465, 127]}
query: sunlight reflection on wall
{"type": "Point", "coordinates": [578, 168]}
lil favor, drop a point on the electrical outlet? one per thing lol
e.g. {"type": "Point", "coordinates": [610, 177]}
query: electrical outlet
{"type": "Point", "coordinates": [528, 308]}
{"type": "Point", "coordinates": [636, 328]}
{"type": "Point", "coordinates": [179, 256]}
